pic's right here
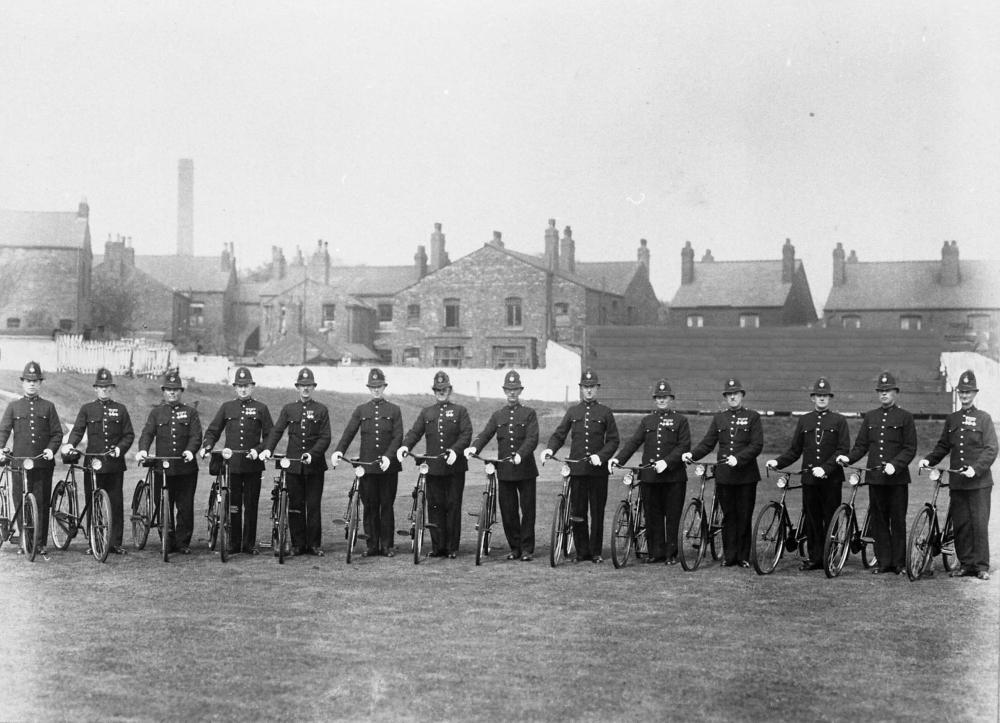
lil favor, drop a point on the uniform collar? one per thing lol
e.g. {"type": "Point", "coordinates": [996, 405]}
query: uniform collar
{"type": "Point", "coordinates": [970, 410]}
{"type": "Point", "coordinates": [736, 411]}
{"type": "Point", "coordinates": [886, 409]}
{"type": "Point", "coordinates": [32, 398]}
{"type": "Point", "coordinates": [515, 405]}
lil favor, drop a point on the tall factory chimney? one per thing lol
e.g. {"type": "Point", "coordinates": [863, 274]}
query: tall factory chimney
{"type": "Point", "coordinates": [185, 207]}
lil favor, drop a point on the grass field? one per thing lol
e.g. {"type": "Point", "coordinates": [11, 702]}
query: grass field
{"type": "Point", "coordinates": [317, 639]}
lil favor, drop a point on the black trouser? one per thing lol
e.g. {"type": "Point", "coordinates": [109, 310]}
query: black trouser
{"type": "Point", "coordinates": [39, 484]}
{"type": "Point", "coordinates": [517, 510]}
{"type": "Point", "coordinates": [819, 502]}
{"type": "Point", "coordinates": [181, 488]}
{"type": "Point", "coordinates": [737, 514]}
{"type": "Point", "coordinates": [378, 493]}
{"type": "Point", "coordinates": [111, 483]}
{"type": "Point", "coordinates": [588, 493]}
{"type": "Point", "coordinates": [444, 509]}
{"type": "Point", "coordinates": [305, 493]}
{"type": "Point", "coordinates": [244, 496]}
{"type": "Point", "coordinates": [663, 503]}
{"type": "Point", "coordinates": [970, 514]}
{"type": "Point", "coordinates": [888, 526]}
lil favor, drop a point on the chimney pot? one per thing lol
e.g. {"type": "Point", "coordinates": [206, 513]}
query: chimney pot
{"type": "Point", "coordinates": [687, 264]}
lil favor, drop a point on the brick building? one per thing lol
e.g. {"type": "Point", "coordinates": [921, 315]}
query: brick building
{"type": "Point", "coordinates": [745, 294]}
{"type": "Point", "coordinates": [45, 267]}
{"type": "Point", "coordinates": [960, 299]}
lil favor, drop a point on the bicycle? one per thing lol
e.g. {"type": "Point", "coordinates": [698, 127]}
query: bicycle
{"type": "Point", "coordinates": [418, 511]}
{"type": "Point", "coordinates": [66, 517]}
{"type": "Point", "coordinates": [219, 512]}
{"type": "Point", "coordinates": [629, 523]}
{"type": "Point", "coordinates": [696, 534]}
{"type": "Point", "coordinates": [561, 542]}
{"type": "Point", "coordinates": [280, 542]}
{"type": "Point", "coordinates": [488, 507]}
{"type": "Point", "coordinates": [843, 536]}
{"type": "Point", "coordinates": [352, 516]}
{"type": "Point", "coordinates": [927, 538]}
{"type": "Point", "coordinates": [145, 513]}
{"type": "Point", "coordinates": [24, 514]}
{"type": "Point", "coordinates": [773, 532]}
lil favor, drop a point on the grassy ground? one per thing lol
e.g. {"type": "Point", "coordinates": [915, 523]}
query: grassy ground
{"type": "Point", "coordinates": [446, 640]}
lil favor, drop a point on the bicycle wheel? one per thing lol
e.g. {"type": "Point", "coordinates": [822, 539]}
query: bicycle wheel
{"type": "Point", "coordinates": [30, 534]}
{"type": "Point", "coordinates": [868, 557]}
{"type": "Point", "coordinates": [483, 528]}
{"type": "Point", "coordinates": [801, 538]}
{"type": "Point", "coordinates": [63, 517]}
{"type": "Point", "coordinates": [557, 548]}
{"type": "Point", "coordinates": [639, 540]}
{"type": "Point", "coordinates": [282, 527]}
{"type": "Point", "coordinates": [5, 513]}
{"type": "Point", "coordinates": [353, 509]}
{"type": "Point", "coordinates": [418, 527]}
{"type": "Point", "coordinates": [692, 537]}
{"type": "Point", "coordinates": [948, 556]}
{"type": "Point", "coordinates": [621, 535]}
{"type": "Point", "coordinates": [768, 539]}
{"type": "Point", "coordinates": [166, 522]}
{"type": "Point", "coordinates": [715, 530]}
{"type": "Point", "coordinates": [836, 544]}
{"type": "Point", "coordinates": [225, 525]}
{"type": "Point", "coordinates": [212, 516]}
{"type": "Point", "coordinates": [100, 525]}
{"type": "Point", "coordinates": [920, 544]}
{"type": "Point", "coordinates": [142, 515]}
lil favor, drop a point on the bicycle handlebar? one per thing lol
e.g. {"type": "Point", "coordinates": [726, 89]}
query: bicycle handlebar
{"type": "Point", "coordinates": [486, 460]}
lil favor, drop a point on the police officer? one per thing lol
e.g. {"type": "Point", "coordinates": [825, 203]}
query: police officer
{"type": "Point", "coordinates": [594, 439]}
{"type": "Point", "coordinates": [971, 439]}
{"type": "Point", "coordinates": [308, 425]}
{"type": "Point", "coordinates": [109, 434]}
{"type": "Point", "coordinates": [664, 436]}
{"type": "Point", "coordinates": [36, 431]}
{"type": "Point", "coordinates": [818, 438]}
{"type": "Point", "coordinates": [381, 425]}
{"type": "Point", "coordinates": [740, 438]}
{"type": "Point", "coordinates": [516, 429]}
{"type": "Point", "coordinates": [247, 424]}
{"type": "Point", "coordinates": [448, 430]}
{"type": "Point", "coordinates": [888, 435]}
{"type": "Point", "coordinates": [176, 429]}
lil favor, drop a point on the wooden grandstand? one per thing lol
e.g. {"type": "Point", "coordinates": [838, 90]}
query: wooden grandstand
{"type": "Point", "coordinates": [776, 365]}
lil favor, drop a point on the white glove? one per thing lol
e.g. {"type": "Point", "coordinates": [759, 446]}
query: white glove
{"type": "Point", "coordinates": [187, 455]}
{"type": "Point", "coordinates": [595, 460]}
{"type": "Point", "coordinates": [66, 448]}
{"type": "Point", "coordinates": [469, 452]}
{"type": "Point", "coordinates": [967, 471]}
{"type": "Point", "coordinates": [731, 461]}
{"type": "Point", "coordinates": [889, 469]}
{"type": "Point", "coordinates": [383, 463]}
{"type": "Point", "coordinates": [265, 454]}
{"type": "Point", "coordinates": [687, 458]}
{"type": "Point", "coordinates": [842, 460]}
{"type": "Point", "coordinates": [773, 464]}
{"type": "Point", "coordinates": [402, 452]}
{"type": "Point", "coordinates": [819, 472]}
{"type": "Point", "coordinates": [3, 454]}
{"type": "Point", "coordinates": [252, 454]}
{"type": "Point", "coordinates": [660, 466]}
{"type": "Point", "coordinates": [546, 455]}
{"type": "Point", "coordinates": [923, 464]}
{"type": "Point", "coordinates": [307, 458]}
{"type": "Point", "coordinates": [517, 458]}
{"type": "Point", "coordinates": [612, 463]}
{"type": "Point", "coordinates": [450, 459]}
{"type": "Point", "coordinates": [47, 454]}
{"type": "Point", "coordinates": [335, 459]}
{"type": "Point", "coordinates": [114, 452]}
{"type": "Point", "coordinates": [203, 452]}
{"type": "Point", "coordinates": [141, 455]}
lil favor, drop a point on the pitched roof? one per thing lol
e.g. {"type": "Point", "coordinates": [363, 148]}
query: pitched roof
{"type": "Point", "coordinates": [36, 229]}
{"type": "Point", "coordinates": [915, 285]}
{"type": "Point", "coordinates": [735, 284]}
{"type": "Point", "coordinates": [372, 280]}
{"type": "Point", "coordinates": [186, 273]}
{"type": "Point", "coordinates": [288, 350]}
{"type": "Point", "coordinates": [609, 276]}
{"type": "Point", "coordinates": [317, 292]}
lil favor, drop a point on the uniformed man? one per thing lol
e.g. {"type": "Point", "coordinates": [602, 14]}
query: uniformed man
{"type": "Point", "coordinates": [247, 424]}
{"type": "Point", "coordinates": [664, 436]}
{"type": "Point", "coordinates": [448, 430]}
{"type": "Point", "coordinates": [594, 439]}
{"type": "Point", "coordinates": [888, 435]}
{"type": "Point", "coordinates": [110, 436]}
{"type": "Point", "coordinates": [36, 431]}
{"type": "Point", "coordinates": [971, 439]}
{"type": "Point", "coordinates": [381, 425]}
{"type": "Point", "coordinates": [516, 429]}
{"type": "Point", "coordinates": [818, 438]}
{"type": "Point", "coordinates": [308, 425]}
{"type": "Point", "coordinates": [176, 430]}
{"type": "Point", "coordinates": [740, 438]}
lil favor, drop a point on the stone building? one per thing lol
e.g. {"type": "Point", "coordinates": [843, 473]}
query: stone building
{"type": "Point", "coordinates": [45, 267]}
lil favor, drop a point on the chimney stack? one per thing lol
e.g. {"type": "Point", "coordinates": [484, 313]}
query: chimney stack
{"type": "Point", "coordinates": [787, 262]}
{"type": "Point", "coordinates": [497, 240]}
{"type": "Point", "coordinates": [853, 258]}
{"type": "Point", "coordinates": [687, 264]}
{"type": "Point", "coordinates": [421, 261]}
{"type": "Point", "coordinates": [185, 207]}
{"type": "Point", "coordinates": [950, 274]}
{"type": "Point", "coordinates": [642, 255]}
{"type": "Point", "coordinates": [83, 210]}
{"type": "Point", "coordinates": [707, 258]}
{"type": "Point", "coordinates": [226, 259]}
{"type": "Point", "coordinates": [567, 250]}
{"type": "Point", "coordinates": [552, 246]}
{"type": "Point", "coordinates": [839, 266]}
{"type": "Point", "coordinates": [439, 258]}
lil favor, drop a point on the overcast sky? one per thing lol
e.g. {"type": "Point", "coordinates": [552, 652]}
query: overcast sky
{"type": "Point", "coordinates": [731, 125]}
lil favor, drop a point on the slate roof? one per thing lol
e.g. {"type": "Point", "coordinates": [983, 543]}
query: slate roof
{"type": "Point", "coordinates": [317, 291]}
{"type": "Point", "coordinates": [289, 351]}
{"type": "Point", "coordinates": [373, 280]}
{"type": "Point", "coordinates": [186, 273]}
{"type": "Point", "coordinates": [915, 285]}
{"type": "Point", "coordinates": [610, 276]}
{"type": "Point", "coordinates": [38, 229]}
{"type": "Point", "coordinates": [735, 284]}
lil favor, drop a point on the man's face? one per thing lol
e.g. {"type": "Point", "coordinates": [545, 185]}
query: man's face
{"type": "Point", "coordinates": [376, 390]}
{"type": "Point", "coordinates": [512, 395]}
{"type": "Point", "coordinates": [967, 398]}
{"type": "Point", "coordinates": [171, 396]}
{"type": "Point", "coordinates": [822, 401]}
{"type": "Point", "coordinates": [589, 394]}
{"type": "Point", "coordinates": [243, 391]}
{"type": "Point", "coordinates": [305, 390]}
{"type": "Point", "coordinates": [663, 403]}
{"type": "Point", "coordinates": [31, 387]}
{"type": "Point", "coordinates": [104, 393]}
{"type": "Point", "coordinates": [887, 397]}
{"type": "Point", "coordinates": [442, 395]}
{"type": "Point", "coordinates": [734, 399]}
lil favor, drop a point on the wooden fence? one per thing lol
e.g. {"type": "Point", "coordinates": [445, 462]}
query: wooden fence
{"type": "Point", "coordinates": [128, 357]}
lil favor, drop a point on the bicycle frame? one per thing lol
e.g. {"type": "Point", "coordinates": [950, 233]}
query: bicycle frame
{"type": "Point", "coordinates": [695, 530]}
{"type": "Point", "coordinates": [280, 535]}
{"type": "Point", "coordinates": [66, 518]}
{"type": "Point", "coordinates": [844, 535]}
{"type": "Point", "coordinates": [628, 528]}
{"type": "Point", "coordinates": [219, 511]}
{"type": "Point", "coordinates": [773, 531]}
{"type": "Point", "coordinates": [561, 542]}
{"type": "Point", "coordinates": [927, 538]}
{"type": "Point", "coordinates": [352, 515]}
{"type": "Point", "coordinates": [487, 515]}
{"type": "Point", "coordinates": [30, 536]}
{"type": "Point", "coordinates": [147, 513]}
{"type": "Point", "coordinates": [418, 511]}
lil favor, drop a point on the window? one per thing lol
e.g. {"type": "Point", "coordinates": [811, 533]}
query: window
{"type": "Point", "coordinates": [411, 356]}
{"type": "Point", "coordinates": [561, 311]}
{"type": "Point", "coordinates": [329, 315]}
{"type": "Point", "coordinates": [384, 313]}
{"type": "Point", "coordinates": [851, 321]}
{"type": "Point", "coordinates": [911, 322]}
{"type": "Point", "coordinates": [66, 324]}
{"type": "Point", "coordinates": [412, 314]}
{"type": "Point", "coordinates": [13, 322]}
{"type": "Point", "coordinates": [509, 356]}
{"type": "Point", "coordinates": [385, 356]}
{"type": "Point", "coordinates": [448, 356]}
{"type": "Point", "coordinates": [513, 304]}
{"type": "Point", "coordinates": [749, 321]}
{"type": "Point", "coordinates": [283, 320]}
{"type": "Point", "coordinates": [451, 319]}
{"type": "Point", "coordinates": [197, 314]}
{"type": "Point", "coordinates": [695, 321]}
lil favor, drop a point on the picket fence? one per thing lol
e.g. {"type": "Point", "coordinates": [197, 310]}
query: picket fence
{"type": "Point", "coordinates": [125, 357]}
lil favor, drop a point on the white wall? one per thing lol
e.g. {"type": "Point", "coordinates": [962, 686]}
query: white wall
{"type": "Point", "coordinates": [16, 351]}
{"type": "Point", "coordinates": [987, 373]}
